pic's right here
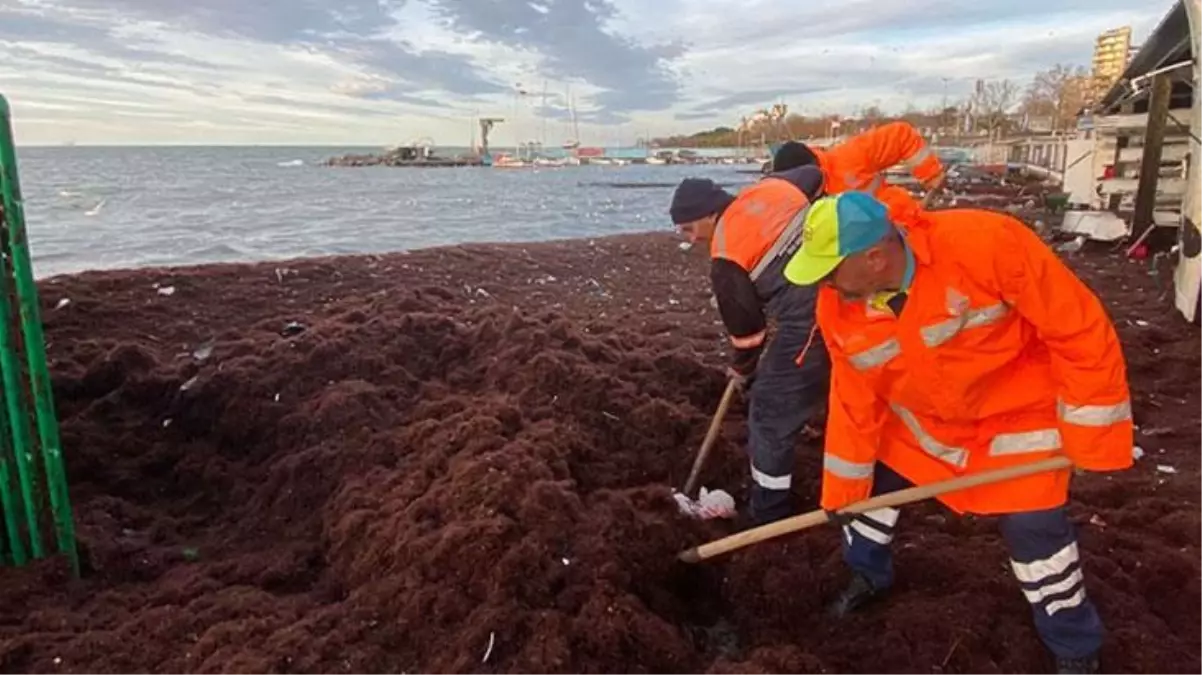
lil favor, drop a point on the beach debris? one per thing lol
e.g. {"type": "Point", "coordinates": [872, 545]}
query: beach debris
{"type": "Point", "coordinates": [708, 505]}
{"type": "Point", "coordinates": [1137, 452]}
{"type": "Point", "coordinates": [63, 303]}
{"type": "Point", "coordinates": [1166, 468]}
{"type": "Point", "coordinates": [167, 290]}
{"type": "Point", "coordinates": [204, 351]}
{"type": "Point", "coordinates": [293, 328]}
{"type": "Point", "coordinates": [492, 641]}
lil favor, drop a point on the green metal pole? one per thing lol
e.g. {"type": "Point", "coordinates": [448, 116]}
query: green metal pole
{"type": "Point", "coordinates": [10, 366]}
{"type": "Point", "coordinates": [15, 545]}
{"type": "Point", "coordinates": [35, 345]}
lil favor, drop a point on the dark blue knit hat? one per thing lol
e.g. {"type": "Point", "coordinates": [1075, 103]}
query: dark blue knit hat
{"type": "Point", "coordinates": [792, 155]}
{"type": "Point", "coordinates": [696, 198]}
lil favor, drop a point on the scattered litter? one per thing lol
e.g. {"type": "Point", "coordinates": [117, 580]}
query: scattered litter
{"type": "Point", "coordinates": [166, 422]}
{"type": "Point", "coordinates": [566, 561]}
{"type": "Point", "coordinates": [279, 275]}
{"type": "Point", "coordinates": [685, 245]}
{"type": "Point", "coordinates": [1165, 468]}
{"type": "Point", "coordinates": [292, 328]}
{"type": "Point", "coordinates": [611, 416]}
{"type": "Point", "coordinates": [63, 303]}
{"type": "Point", "coordinates": [483, 293]}
{"type": "Point", "coordinates": [1156, 431]}
{"type": "Point", "coordinates": [1137, 452]}
{"type": "Point", "coordinates": [1141, 323]}
{"type": "Point", "coordinates": [167, 290]}
{"type": "Point", "coordinates": [1097, 521]}
{"type": "Point", "coordinates": [1072, 246]}
{"type": "Point", "coordinates": [492, 640]}
{"type": "Point", "coordinates": [188, 385]}
{"type": "Point", "coordinates": [708, 505]}
{"type": "Point", "coordinates": [277, 397]}
{"type": "Point", "coordinates": [204, 351]}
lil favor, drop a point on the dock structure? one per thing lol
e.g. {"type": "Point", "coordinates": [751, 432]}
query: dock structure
{"type": "Point", "coordinates": [417, 156]}
{"type": "Point", "coordinates": [1151, 115]}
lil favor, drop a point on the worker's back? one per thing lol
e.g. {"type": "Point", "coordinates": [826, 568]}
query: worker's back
{"type": "Point", "coordinates": [761, 229]}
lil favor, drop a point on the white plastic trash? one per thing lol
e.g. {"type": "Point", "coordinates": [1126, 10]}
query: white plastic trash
{"type": "Point", "coordinates": [708, 505]}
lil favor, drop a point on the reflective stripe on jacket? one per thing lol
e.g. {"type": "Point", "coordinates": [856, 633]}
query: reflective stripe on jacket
{"type": "Point", "coordinates": [860, 162]}
{"type": "Point", "coordinates": [1001, 355]}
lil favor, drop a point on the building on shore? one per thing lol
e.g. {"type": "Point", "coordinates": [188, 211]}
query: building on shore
{"type": "Point", "coordinates": [1111, 54]}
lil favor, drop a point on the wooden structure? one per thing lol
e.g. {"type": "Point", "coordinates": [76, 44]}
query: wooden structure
{"type": "Point", "coordinates": [1152, 114]}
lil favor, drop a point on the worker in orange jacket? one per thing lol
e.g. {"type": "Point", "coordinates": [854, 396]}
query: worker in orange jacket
{"type": "Point", "coordinates": [750, 238]}
{"type": "Point", "coordinates": [960, 343]}
{"type": "Point", "coordinates": [860, 162]}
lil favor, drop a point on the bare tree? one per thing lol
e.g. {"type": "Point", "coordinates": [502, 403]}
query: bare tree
{"type": "Point", "coordinates": [1057, 92]}
{"type": "Point", "coordinates": [990, 103]}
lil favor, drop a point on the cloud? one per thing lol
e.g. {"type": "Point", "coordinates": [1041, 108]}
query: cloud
{"type": "Point", "coordinates": [348, 71]}
{"type": "Point", "coordinates": [426, 69]}
{"type": "Point", "coordinates": [572, 38]}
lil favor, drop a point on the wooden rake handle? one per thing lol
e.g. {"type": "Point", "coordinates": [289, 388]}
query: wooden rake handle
{"type": "Point", "coordinates": [711, 436]}
{"type": "Point", "coordinates": [891, 499]}
{"type": "Point", "coordinates": [935, 190]}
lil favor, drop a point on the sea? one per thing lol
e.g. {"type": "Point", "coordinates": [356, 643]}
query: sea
{"type": "Point", "coordinates": [91, 208]}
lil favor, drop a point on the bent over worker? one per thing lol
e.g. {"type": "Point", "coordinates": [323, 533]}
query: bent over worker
{"type": "Point", "coordinates": [860, 162]}
{"type": "Point", "coordinates": [751, 237]}
{"type": "Point", "coordinates": [960, 343]}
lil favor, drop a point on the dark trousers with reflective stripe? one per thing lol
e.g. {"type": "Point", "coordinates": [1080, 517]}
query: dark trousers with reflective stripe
{"type": "Point", "coordinates": [784, 396]}
{"type": "Point", "coordinates": [1043, 556]}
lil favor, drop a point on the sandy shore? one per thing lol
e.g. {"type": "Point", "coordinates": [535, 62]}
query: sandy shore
{"type": "Point", "coordinates": [409, 462]}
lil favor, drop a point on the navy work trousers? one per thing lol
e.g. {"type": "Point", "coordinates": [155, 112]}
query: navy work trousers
{"type": "Point", "coordinates": [1043, 555]}
{"type": "Point", "coordinates": [790, 386]}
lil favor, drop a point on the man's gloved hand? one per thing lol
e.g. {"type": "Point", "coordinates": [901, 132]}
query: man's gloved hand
{"type": "Point", "coordinates": [839, 519]}
{"type": "Point", "coordinates": [743, 381]}
{"type": "Point", "coordinates": [934, 181]}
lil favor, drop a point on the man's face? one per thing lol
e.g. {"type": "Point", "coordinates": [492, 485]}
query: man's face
{"type": "Point", "coordinates": [699, 230]}
{"type": "Point", "coordinates": [862, 275]}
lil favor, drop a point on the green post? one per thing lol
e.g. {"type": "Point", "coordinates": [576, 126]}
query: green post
{"type": "Point", "coordinates": [35, 356]}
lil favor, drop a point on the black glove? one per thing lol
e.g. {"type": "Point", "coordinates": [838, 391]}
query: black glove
{"type": "Point", "coordinates": [840, 519]}
{"type": "Point", "coordinates": [743, 381]}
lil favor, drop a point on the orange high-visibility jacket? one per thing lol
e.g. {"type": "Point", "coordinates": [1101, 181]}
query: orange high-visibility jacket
{"type": "Point", "coordinates": [754, 237]}
{"type": "Point", "coordinates": [757, 219]}
{"type": "Point", "coordinates": [1000, 356]}
{"type": "Point", "coordinates": [860, 162]}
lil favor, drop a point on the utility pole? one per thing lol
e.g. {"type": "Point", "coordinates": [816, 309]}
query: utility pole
{"type": "Point", "coordinates": [943, 111]}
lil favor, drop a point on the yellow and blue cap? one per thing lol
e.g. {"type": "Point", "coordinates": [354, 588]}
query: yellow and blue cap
{"type": "Point", "coordinates": [836, 227]}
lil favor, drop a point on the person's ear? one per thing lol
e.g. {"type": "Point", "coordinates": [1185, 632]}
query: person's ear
{"type": "Point", "coordinates": [875, 259]}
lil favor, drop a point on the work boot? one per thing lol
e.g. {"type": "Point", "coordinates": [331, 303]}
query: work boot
{"type": "Point", "coordinates": [1084, 664]}
{"type": "Point", "coordinates": [856, 594]}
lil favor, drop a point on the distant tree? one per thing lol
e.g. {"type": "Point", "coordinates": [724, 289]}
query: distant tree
{"type": "Point", "coordinates": [1058, 93]}
{"type": "Point", "coordinates": [991, 102]}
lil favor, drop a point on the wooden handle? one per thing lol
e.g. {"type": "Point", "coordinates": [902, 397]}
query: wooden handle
{"type": "Point", "coordinates": [891, 499]}
{"type": "Point", "coordinates": [711, 436]}
{"type": "Point", "coordinates": [935, 189]}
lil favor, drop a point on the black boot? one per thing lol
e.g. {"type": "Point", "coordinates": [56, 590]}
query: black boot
{"type": "Point", "coordinates": [859, 592]}
{"type": "Point", "coordinates": [1085, 664]}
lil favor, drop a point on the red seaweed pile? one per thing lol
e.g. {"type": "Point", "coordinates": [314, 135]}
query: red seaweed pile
{"type": "Point", "coordinates": [461, 459]}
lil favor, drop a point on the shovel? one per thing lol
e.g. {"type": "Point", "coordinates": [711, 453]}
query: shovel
{"type": "Point", "coordinates": [711, 436]}
{"type": "Point", "coordinates": [716, 504]}
{"type": "Point", "coordinates": [891, 499]}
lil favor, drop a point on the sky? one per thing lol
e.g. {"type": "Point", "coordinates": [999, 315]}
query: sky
{"type": "Point", "coordinates": [389, 72]}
